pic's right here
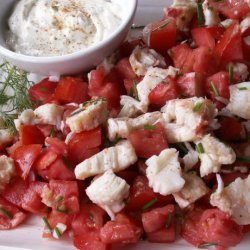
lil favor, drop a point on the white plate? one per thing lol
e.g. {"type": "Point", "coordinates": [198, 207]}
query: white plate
{"type": "Point", "coordinates": [29, 235]}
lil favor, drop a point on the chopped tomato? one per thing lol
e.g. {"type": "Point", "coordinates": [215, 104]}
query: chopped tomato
{"type": "Point", "coordinates": [59, 146]}
{"type": "Point", "coordinates": [161, 35]}
{"type": "Point", "coordinates": [230, 177]}
{"type": "Point", "coordinates": [84, 145]}
{"type": "Point", "coordinates": [30, 134]}
{"type": "Point", "coordinates": [164, 91]}
{"type": "Point", "coordinates": [125, 70]}
{"type": "Point", "coordinates": [122, 230]}
{"type": "Point", "coordinates": [89, 219]}
{"type": "Point", "coordinates": [233, 9]}
{"type": "Point", "coordinates": [229, 47]}
{"type": "Point", "coordinates": [141, 194]}
{"type": "Point", "coordinates": [62, 196]}
{"type": "Point", "coordinates": [217, 227]}
{"type": "Point", "coordinates": [191, 84]}
{"type": "Point", "coordinates": [128, 46]}
{"type": "Point", "coordinates": [202, 37]}
{"type": "Point", "coordinates": [45, 159]}
{"type": "Point", "coordinates": [71, 89]}
{"type": "Point", "coordinates": [230, 129]}
{"type": "Point", "coordinates": [148, 141]}
{"type": "Point", "coordinates": [56, 217]}
{"type": "Point", "coordinates": [42, 91]}
{"type": "Point", "coordinates": [164, 235]}
{"type": "Point", "coordinates": [25, 156]}
{"type": "Point", "coordinates": [10, 215]}
{"type": "Point", "coordinates": [127, 175]}
{"type": "Point", "coordinates": [246, 47]}
{"type": "Point", "coordinates": [183, 57]}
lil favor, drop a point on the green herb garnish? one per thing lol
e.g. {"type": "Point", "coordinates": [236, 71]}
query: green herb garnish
{"type": "Point", "coordinates": [52, 132]}
{"type": "Point", "coordinates": [45, 220]}
{"type": "Point", "coordinates": [58, 199]}
{"type": "Point", "coordinates": [63, 210]}
{"type": "Point", "coordinates": [149, 127]}
{"type": "Point", "coordinates": [57, 231]}
{"type": "Point", "coordinates": [133, 91]}
{"type": "Point", "coordinates": [6, 213]}
{"type": "Point", "coordinates": [207, 245]}
{"type": "Point", "coordinates": [149, 204]}
{"type": "Point", "coordinates": [66, 162]}
{"type": "Point", "coordinates": [200, 14]}
{"type": "Point", "coordinates": [182, 147]}
{"type": "Point", "coordinates": [199, 148]}
{"type": "Point", "coordinates": [243, 159]}
{"type": "Point", "coordinates": [169, 220]}
{"type": "Point", "coordinates": [197, 107]}
{"type": "Point", "coordinates": [215, 90]}
{"type": "Point", "coordinates": [231, 73]}
{"type": "Point", "coordinates": [242, 88]}
{"type": "Point", "coordinates": [162, 26]}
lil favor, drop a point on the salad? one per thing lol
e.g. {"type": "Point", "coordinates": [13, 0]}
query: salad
{"type": "Point", "coordinates": [151, 145]}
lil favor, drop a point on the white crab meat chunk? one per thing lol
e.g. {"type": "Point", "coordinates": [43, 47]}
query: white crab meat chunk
{"type": "Point", "coordinates": [214, 154]}
{"type": "Point", "coordinates": [142, 59]}
{"type": "Point", "coordinates": [5, 137]}
{"type": "Point", "coordinates": [239, 103]}
{"type": "Point", "coordinates": [245, 23]}
{"type": "Point", "coordinates": [186, 119]}
{"type": "Point", "coordinates": [164, 172]}
{"type": "Point", "coordinates": [191, 158]}
{"type": "Point", "coordinates": [116, 158]}
{"type": "Point", "coordinates": [27, 117]}
{"type": "Point", "coordinates": [226, 23]}
{"type": "Point", "coordinates": [234, 200]}
{"type": "Point", "coordinates": [121, 127]}
{"type": "Point", "coordinates": [7, 171]}
{"type": "Point", "coordinates": [89, 116]}
{"type": "Point", "coordinates": [130, 107]}
{"type": "Point", "coordinates": [210, 14]}
{"type": "Point", "coordinates": [241, 70]}
{"type": "Point", "coordinates": [109, 192]}
{"type": "Point", "coordinates": [49, 114]}
{"type": "Point", "coordinates": [194, 189]}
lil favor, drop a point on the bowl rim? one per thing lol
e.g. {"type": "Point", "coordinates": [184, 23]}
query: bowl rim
{"type": "Point", "coordinates": [54, 59]}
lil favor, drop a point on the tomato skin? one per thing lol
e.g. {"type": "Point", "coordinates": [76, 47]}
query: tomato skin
{"type": "Point", "coordinates": [30, 134]}
{"type": "Point", "coordinates": [218, 227]}
{"type": "Point", "coordinates": [59, 146]}
{"type": "Point", "coordinates": [143, 139]}
{"type": "Point", "coordinates": [230, 177]}
{"type": "Point", "coordinates": [164, 91]}
{"type": "Point", "coordinates": [18, 216]}
{"type": "Point", "coordinates": [122, 230]}
{"type": "Point", "coordinates": [125, 70]}
{"type": "Point", "coordinates": [25, 156]}
{"type": "Point", "coordinates": [246, 47]}
{"type": "Point", "coordinates": [43, 91]}
{"type": "Point", "coordinates": [71, 89]}
{"type": "Point", "coordinates": [229, 47]}
{"type": "Point", "coordinates": [164, 235]}
{"type": "Point", "coordinates": [183, 57]}
{"type": "Point", "coordinates": [161, 35]}
{"type": "Point", "coordinates": [191, 84]}
{"type": "Point", "coordinates": [84, 145]}
{"type": "Point", "coordinates": [202, 37]}
{"type": "Point", "coordinates": [230, 129]}
{"type": "Point", "coordinates": [127, 47]}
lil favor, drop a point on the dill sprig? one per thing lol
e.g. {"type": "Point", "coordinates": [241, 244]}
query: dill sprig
{"type": "Point", "coordinates": [14, 98]}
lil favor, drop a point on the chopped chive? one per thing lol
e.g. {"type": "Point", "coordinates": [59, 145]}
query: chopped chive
{"type": "Point", "coordinates": [149, 127]}
{"type": "Point", "coordinates": [169, 221]}
{"type": "Point", "coordinates": [199, 148]}
{"type": "Point", "coordinates": [182, 147]}
{"type": "Point", "coordinates": [134, 26]}
{"type": "Point", "coordinates": [162, 26]}
{"type": "Point", "coordinates": [57, 231]}
{"type": "Point", "coordinates": [66, 162]}
{"type": "Point", "coordinates": [242, 88]}
{"type": "Point", "coordinates": [206, 245]}
{"type": "Point", "coordinates": [243, 159]}
{"type": "Point", "coordinates": [45, 220]}
{"type": "Point", "coordinates": [63, 210]}
{"type": "Point", "coordinates": [43, 89]}
{"type": "Point", "coordinates": [58, 198]}
{"type": "Point", "coordinates": [197, 107]}
{"type": "Point", "coordinates": [231, 73]}
{"type": "Point", "coordinates": [76, 112]}
{"type": "Point", "coordinates": [216, 1]}
{"type": "Point", "coordinates": [215, 90]}
{"type": "Point", "coordinates": [200, 14]}
{"type": "Point", "coordinates": [6, 213]}
{"type": "Point", "coordinates": [133, 91]}
{"type": "Point", "coordinates": [149, 204]}
{"type": "Point", "coordinates": [52, 132]}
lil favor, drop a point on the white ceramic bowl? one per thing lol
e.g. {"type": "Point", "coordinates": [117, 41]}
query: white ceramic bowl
{"type": "Point", "coordinates": [76, 62]}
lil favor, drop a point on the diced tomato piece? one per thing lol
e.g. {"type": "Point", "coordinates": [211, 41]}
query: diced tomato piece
{"type": "Point", "coordinates": [128, 46]}
{"type": "Point", "coordinates": [42, 91]}
{"type": "Point", "coordinates": [62, 196]}
{"type": "Point", "coordinates": [161, 35]}
{"type": "Point", "coordinates": [122, 230]}
{"type": "Point", "coordinates": [60, 169]}
{"type": "Point", "coordinates": [148, 142]}
{"type": "Point", "coordinates": [164, 91]}
{"type": "Point", "coordinates": [89, 219]}
{"type": "Point", "coordinates": [218, 82]}
{"type": "Point", "coordinates": [246, 47]}
{"type": "Point", "coordinates": [60, 217]}
{"type": "Point", "coordinates": [229, 47]}
{"type": "Point", "coordinates": [59, 146]}
{"type": "Point", "coordinates": [216, 31]}
{"type": "Point", "coordinates": [230, 129]}
{"type": "Point", "coordinates": [183, 57]}
{"type": "Point", "coordinates": [234, 9]}
{"type": "Point", "coordinates": [202, 37]}
{"type": "Point", "coordinates": [125, 70]}
{"type": "Point", "coordinates": [71, 89]}
{"type": "Point", "coordinates": [30, 134]}
{"type": "Point", "coordinates": [205, 61]}
{"type": "Point", "coordinates": [191, 84]}
{"type": "Point", "coordinates": [25, 156]}
{"type": "Point", "coordinates": [15, 191]}
{"type": "Point", "coordinates": [10, 215]}
{"type": "Point", "coordinates": [47, 129]}
{"type": "Point", "coordinates": [90, 241]}
{"type": "Point", "coordinates": [32, 201]}
{"type": "Point", "coordinates": [13, 148]}
{"type": "Point", "coordinates": [46, 158]}
{"type": "Point", "coordinates": [141, 194]}
{"type": "Point", "coordinates": [127, 175]}
{"type": "Point", "coordinates": [158, 218]}
{"type": "Point", "coordinates": [230, 177]}
{"type": "Point", "coordinates": [129, 84]}
{"type": "Point", "coordinates": [217, 227]}
{"type": "Point", "coordinates": [84, 145]}
{"type": "Point", "coordinates": [164, 235]}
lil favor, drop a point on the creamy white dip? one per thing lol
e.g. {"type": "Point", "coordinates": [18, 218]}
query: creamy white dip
{"type": "Point", "coordinates": [59, 27]}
